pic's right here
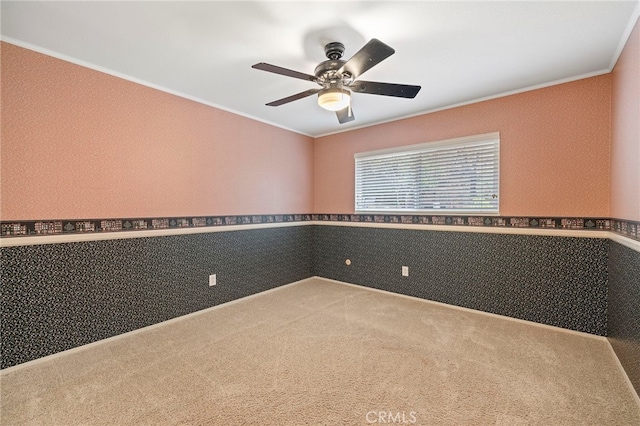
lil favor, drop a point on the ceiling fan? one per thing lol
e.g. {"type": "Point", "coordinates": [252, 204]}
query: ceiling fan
{"type": "Point", "coordinates": [337, 78]}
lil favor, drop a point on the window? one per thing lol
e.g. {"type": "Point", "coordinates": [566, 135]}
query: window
{"type": "Point", "coordinates": [458, 176]}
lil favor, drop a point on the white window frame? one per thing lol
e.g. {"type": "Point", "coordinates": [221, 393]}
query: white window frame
{"type": "Point", "coordinates": [491, 201]}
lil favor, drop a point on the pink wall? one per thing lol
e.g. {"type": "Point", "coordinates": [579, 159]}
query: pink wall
{"type": "Point", "coordinates": [625, 132]}
{"type": "Point", "coordinates": [554, 149]}
{"type": "Point", "coordinates": [77, 143]}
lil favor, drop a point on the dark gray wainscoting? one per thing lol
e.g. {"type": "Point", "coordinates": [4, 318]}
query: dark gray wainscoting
{"type": "Point", "coordinates": [60, 296]}
{"type": "Point", "coordinates": [623, 328]}
{"type": "Point", "coordinates": [560, 281]}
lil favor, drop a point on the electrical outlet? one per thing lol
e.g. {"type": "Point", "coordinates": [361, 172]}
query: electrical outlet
{"type": "Point", "coordinates": [405, 271]}
{"type": "Point", "coordinates": [212, 280]}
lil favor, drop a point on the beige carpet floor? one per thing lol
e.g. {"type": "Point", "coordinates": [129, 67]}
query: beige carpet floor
{"type": "Point", "coordinates": [324, 353]}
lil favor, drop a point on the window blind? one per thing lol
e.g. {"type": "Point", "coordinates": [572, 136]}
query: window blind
{"type": "Point", "coordinates": [454, 176]}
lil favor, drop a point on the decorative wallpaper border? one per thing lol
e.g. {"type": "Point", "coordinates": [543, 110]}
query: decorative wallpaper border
{"type": "Point", "coordinates": [600, 224]}
{"type": "Point", "coordinates": [84, 226]}
{"type": "Point", "coordinates": [627, 228]}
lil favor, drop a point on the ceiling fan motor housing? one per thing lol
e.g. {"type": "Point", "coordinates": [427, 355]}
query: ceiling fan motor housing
{"type": "Point", "coordinates": [327, 71]}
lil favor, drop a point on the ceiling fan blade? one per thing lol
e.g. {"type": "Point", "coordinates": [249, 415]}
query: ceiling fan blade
{"type": "Point", "coordinates": [284, 71]}
{"type": "Point", "coordinates": [386, 89]}
{"type": "Point", "coordinates": [345, 115]}
{"type": "Point", "coordinates": [366, 58]}
{"type": "Point", "coordinates": [294, 97]}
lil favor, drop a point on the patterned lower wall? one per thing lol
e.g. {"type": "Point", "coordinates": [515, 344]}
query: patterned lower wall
{"type": "Point", "coordinates": [559, 281]}
{"type": "Point", "coordinates": [60, 296]}
{"type": "Point", "coordinates": [623, 329]}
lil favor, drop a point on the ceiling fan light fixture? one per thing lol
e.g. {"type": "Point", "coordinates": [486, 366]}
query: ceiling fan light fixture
{"type": "Point", "coordinates": [334, 75]}
{"type": "Point", "coordinates": [334, 99]}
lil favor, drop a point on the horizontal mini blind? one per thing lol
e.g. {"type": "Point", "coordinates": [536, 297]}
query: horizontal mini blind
{"type": "Point", "coordinates": [454, 176]}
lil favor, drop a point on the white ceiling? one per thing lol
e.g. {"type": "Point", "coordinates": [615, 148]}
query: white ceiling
{"type": "Point", "coordinates": [459, 52]}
